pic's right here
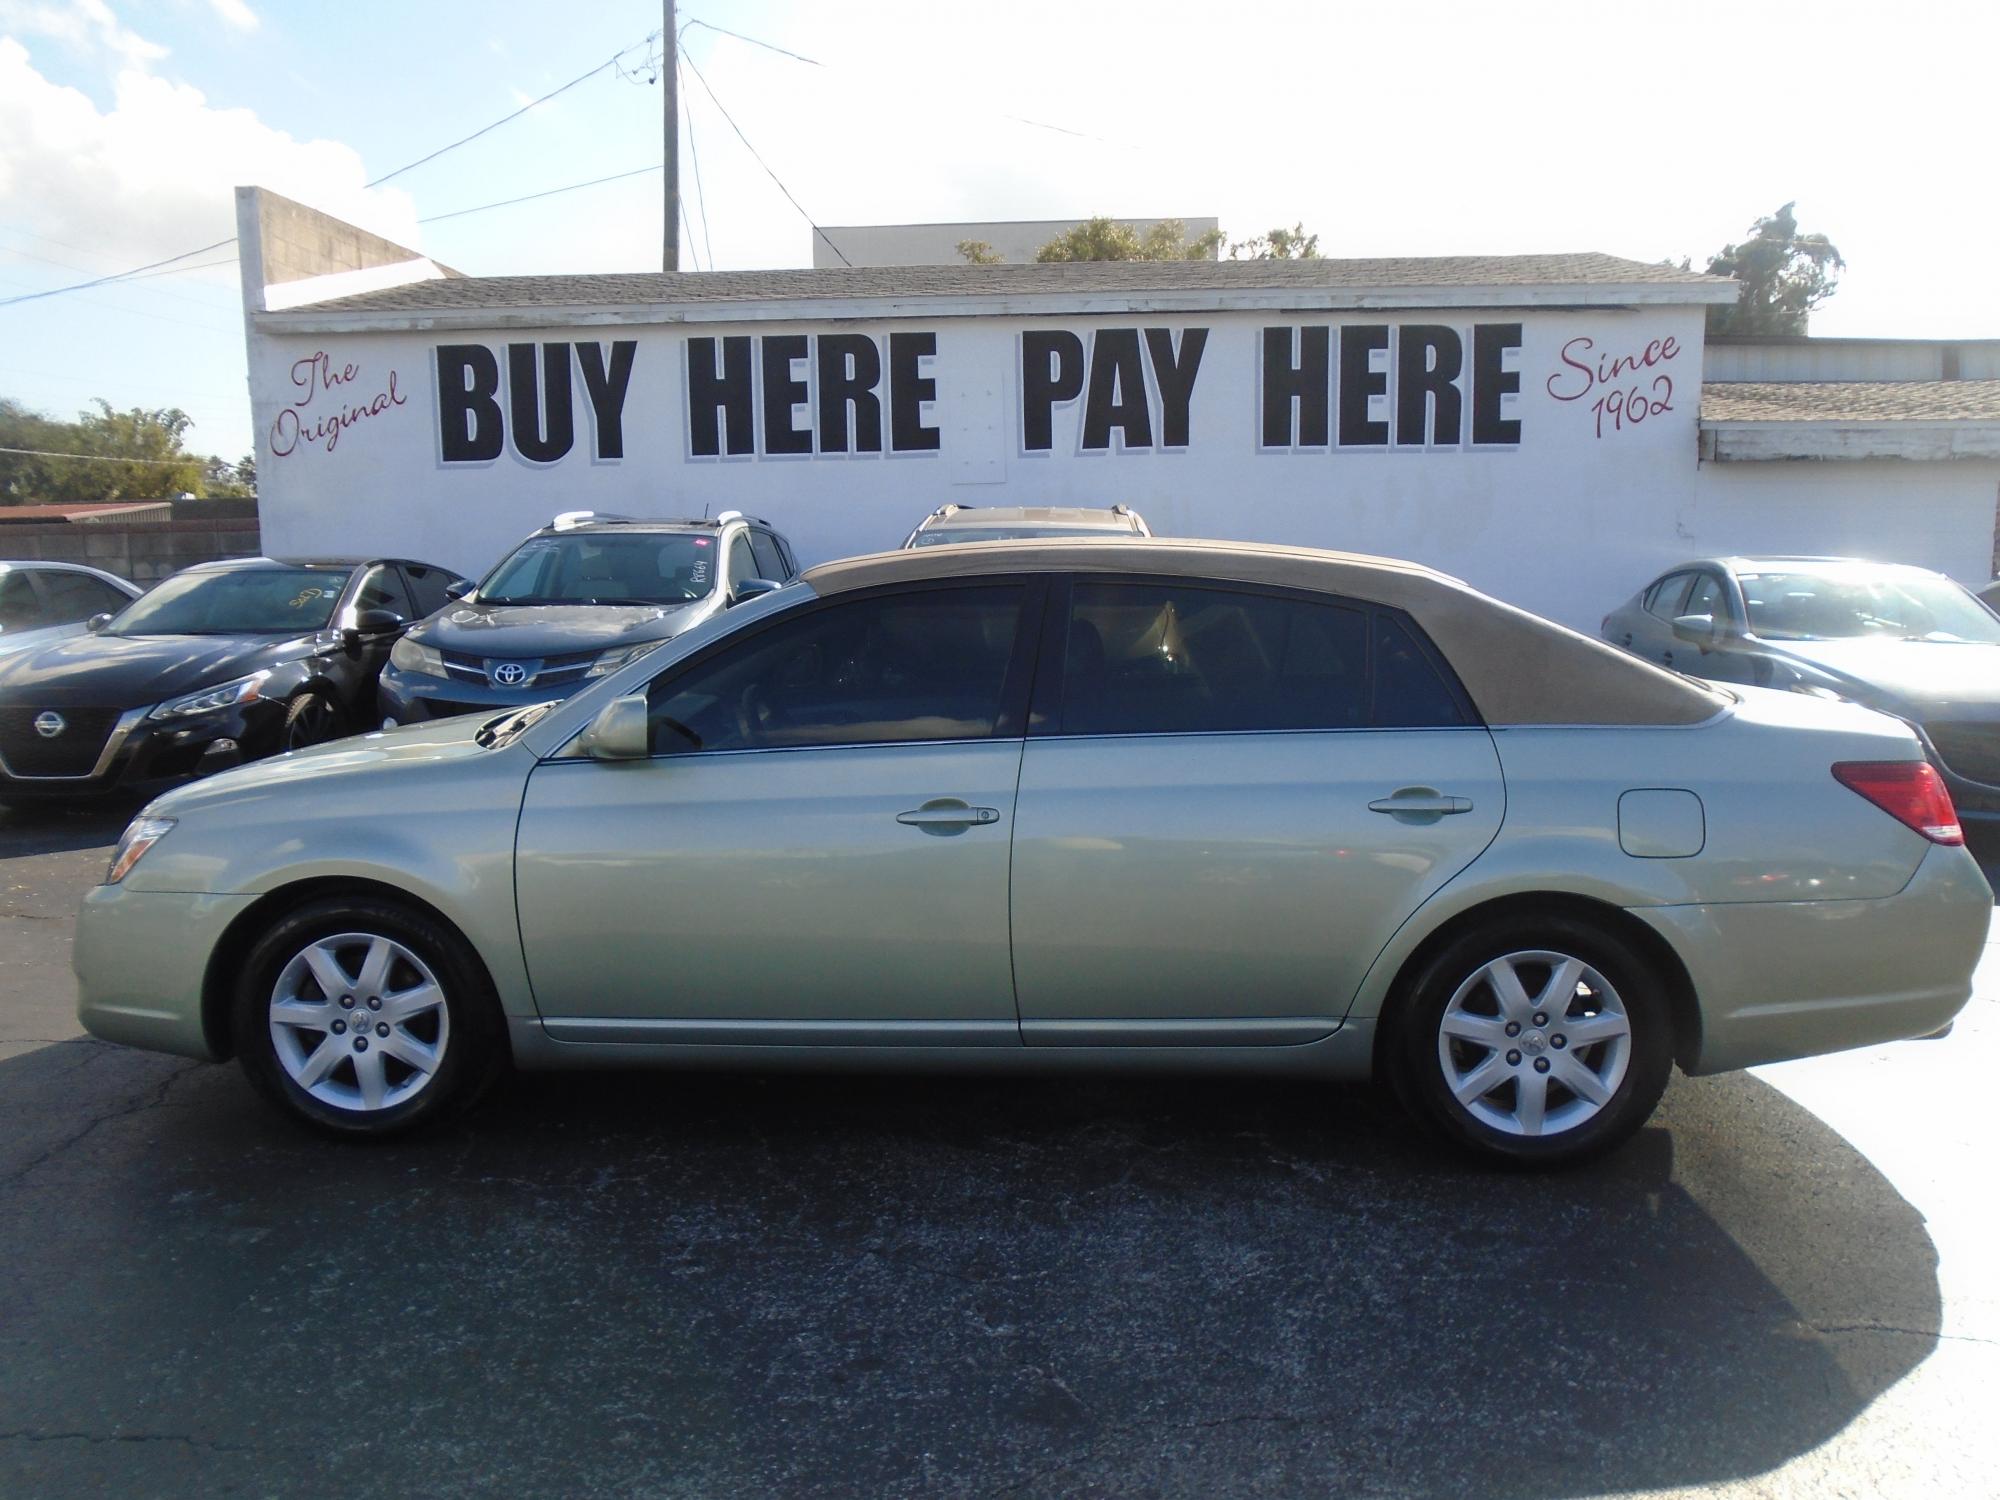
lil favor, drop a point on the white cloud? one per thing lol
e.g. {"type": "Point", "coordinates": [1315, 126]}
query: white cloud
{"type": "Point", "coordinates": [85, 27]}
{"type": "Point", "coordinates": [153, 175]}
{"type": "Point", "coordinates": [236, 13]}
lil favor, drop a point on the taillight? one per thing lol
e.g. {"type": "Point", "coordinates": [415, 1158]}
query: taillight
{"type": "Point", "coordinates": [1909, 791]}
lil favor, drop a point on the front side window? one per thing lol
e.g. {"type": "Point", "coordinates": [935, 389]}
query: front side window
{"type": "Point", "coordinates": [769, 564]}
{"type": "Point", "coordinates": [383, 589]}
{"type": "Point", "coordinates": [238, 601]}
{"type": "Point", "coordinates": [1170, 658]}
{"type": "Point", "coordinates": [604, 568]}
{"type": "Point", "coordinates": [1664, 598]}
{"type": "Point", "coordinates": [78, 596]}
{"type": "Point", "coordinates": [1706, 598]}
{"type": "Point", "coordinates": [926, 665]}
{"type": "Point", "coordinates": [742, 561]}
{"type": "Point", "coordinates": [428, 585]}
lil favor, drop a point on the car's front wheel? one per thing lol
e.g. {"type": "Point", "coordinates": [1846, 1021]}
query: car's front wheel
{"type": "Point", "coordinates": [366, 1017]}
{"type": "Point", "coordinates": [1539, 1042]}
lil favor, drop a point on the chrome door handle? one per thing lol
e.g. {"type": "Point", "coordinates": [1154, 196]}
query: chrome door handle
{"type": "Point", "coordinates": [1420, 802]}
{"type": "Point", "coordinates": [948, 814]}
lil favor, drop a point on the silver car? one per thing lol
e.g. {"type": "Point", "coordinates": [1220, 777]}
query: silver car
{"type": "Point", "coordinates": [1067, 805]}
{"type": "Point", "coordinates": [1015, 523]}
{"type": "Point", "coordinates": [42, 602]}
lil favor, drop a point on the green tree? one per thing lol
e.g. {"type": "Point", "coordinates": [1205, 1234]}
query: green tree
{"type": "Point", "coordinates": [1277, 244]}
{"type": "Point", "coordinates": [978, 253]}
{"type": "Point", "coordinates": [107, 455]}
{"type": "Point", "coordinates": [1104, 239]}
{"type": "Point", "coordinates": [1785, 275]}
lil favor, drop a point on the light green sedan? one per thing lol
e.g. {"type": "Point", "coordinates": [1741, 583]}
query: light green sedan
{"type": "Point", "coordinates": [1048, 804]}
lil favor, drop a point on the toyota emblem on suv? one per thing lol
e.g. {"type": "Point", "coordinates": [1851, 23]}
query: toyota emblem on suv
{"type": "Point", "coordinates": [510, 674]}
{"type": "Point", "coordinates": [50, 724]}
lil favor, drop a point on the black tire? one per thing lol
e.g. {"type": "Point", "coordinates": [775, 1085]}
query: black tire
{"type": "Point", "coordinates": [1415, 1043]}
{"type": "Point", "coordinates": [311, 718]}
{"type": "Point", "coordinates": [474, 1052]}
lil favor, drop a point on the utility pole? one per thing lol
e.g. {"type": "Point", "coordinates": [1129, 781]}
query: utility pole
{"type": "Point", "coordinates": [670, 254]}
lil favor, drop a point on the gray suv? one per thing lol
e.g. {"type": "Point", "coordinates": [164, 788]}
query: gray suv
{"type": "Point", "coordinates": [574, 602]}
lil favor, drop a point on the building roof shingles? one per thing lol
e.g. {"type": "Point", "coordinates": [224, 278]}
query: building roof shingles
{"type": "Point", "coordinates": [1851, 401]}
{"type": "Point", "coordinates": [904, 282]}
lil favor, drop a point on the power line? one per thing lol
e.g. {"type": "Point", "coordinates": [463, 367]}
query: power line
{"type": "Point", "coordinates": [694, 21]}
{"type": "Point", "coordinates": [459, 213]}
{"type": "Point", "coordinates": [764, 164]}
{"type": "Point", "coordinates": [101, 458]}
{"type": "Point", "coordinates": [700, 201]}
{"type": "Point", "coordinates": [83, 286]}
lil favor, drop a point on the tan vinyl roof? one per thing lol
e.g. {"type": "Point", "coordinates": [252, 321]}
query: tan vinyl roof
{"type": "Point", "coordinates": [1519, 668]}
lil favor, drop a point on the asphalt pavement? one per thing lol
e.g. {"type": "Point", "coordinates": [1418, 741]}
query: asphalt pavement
{"type": "Point", "coordinates": [735, 1286]}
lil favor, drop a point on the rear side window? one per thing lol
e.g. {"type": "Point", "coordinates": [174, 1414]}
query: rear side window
{"type": "Point", "coordinates": [930, 664]}
{"type": "Point", "coordinates": [1169, 658]}
{"type": "Point", "coordinates": [19, 608]}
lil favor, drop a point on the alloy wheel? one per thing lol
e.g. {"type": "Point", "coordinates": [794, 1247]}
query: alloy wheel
{"type": "Point", "coordinates": [310, 723]}
{"type": "Point", "coordinates": [359, 1021]}
{"type": "Point", "coordinates": [1534, 1043]}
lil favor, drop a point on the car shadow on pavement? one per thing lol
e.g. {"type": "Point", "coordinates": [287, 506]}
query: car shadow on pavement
{"type": "Point", "coordinates": [63, 828]}
{"type": "Point", "coordinates": [890, 1286]}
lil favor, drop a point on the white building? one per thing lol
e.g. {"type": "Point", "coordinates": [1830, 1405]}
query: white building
{"type": "Point", "coordinates": [1537, 425]}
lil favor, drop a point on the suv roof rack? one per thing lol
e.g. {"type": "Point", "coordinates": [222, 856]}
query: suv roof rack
{"type": "Point", "coordinates": [572, 518]}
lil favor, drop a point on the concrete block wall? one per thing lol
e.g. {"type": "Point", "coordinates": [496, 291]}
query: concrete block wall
{"type": "Point", "coordinates": [142, 552]}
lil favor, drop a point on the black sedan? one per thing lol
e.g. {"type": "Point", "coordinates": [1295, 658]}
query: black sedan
{"type": "Point", "coordinates": [1902, 640]}
{"type": "Point", "coordinates": [222, 663]}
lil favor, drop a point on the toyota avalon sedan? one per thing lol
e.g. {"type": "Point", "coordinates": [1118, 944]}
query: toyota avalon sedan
{"type": "Point", "coordinates": [222, 663]}
{"type": "Point", "coordinates": [1048, 804]}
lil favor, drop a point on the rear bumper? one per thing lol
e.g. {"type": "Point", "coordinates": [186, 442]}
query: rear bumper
{"type": "Point", "coordinates": [1784, 979]}
{"type": "Point", "coordinates": [141, 958]}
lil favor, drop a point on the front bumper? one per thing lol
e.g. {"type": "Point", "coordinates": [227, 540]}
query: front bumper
{"type": "Point", "coordinates": [141, 958]}
{"type": "Point", "coordinates": [143, 756]}
{"type": "Point", "coordinates": [1776, 980]}
{"type": "Point", "coordinates": [409, 698]}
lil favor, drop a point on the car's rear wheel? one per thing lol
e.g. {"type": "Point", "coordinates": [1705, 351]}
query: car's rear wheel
{"type": "Point", "coordinates": [311, 718]}
{"type": "Point", "coordinates": [366, 1017]}
{"type": "Point", "coordinates": [1538, 1042]}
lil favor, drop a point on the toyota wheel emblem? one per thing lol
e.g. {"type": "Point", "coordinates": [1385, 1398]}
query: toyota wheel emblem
{"type": "Point", "coordinates": [510, 674]}
{"type": "Point", "coordinates": [49, 725]}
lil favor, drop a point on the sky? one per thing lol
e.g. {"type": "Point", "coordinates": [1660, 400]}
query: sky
{"type": "Point", "coordinates": [1388, 129]}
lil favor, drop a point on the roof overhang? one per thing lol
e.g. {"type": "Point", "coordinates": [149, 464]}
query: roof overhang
{"type": "Point", "coordinates": [1770, 442]}
{"type": "Point", "coordinates": [1552, 297]}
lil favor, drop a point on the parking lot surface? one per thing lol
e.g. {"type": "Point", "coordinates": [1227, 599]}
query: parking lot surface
{"type": "Point", "coordinates": [721, 1285]}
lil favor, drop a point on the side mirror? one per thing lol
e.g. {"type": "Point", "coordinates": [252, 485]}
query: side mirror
{"type": "Point", "coordinates": [750, 588]}
{"type": "Point", "coordinates": [1704, 631]}
{"type": "Point", "coordinates": [370, 622]}
{"type": "Point", "coordinates": [619, 731]}
{"type": "Point", "coordinates": [97, 622]}
{"type": "Point", "coordinates": [458, 588]}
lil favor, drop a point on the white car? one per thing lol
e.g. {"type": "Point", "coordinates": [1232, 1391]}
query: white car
{"type": "Point", "coordinates": [45, 601]}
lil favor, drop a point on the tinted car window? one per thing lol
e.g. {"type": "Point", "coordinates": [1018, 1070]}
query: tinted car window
{"type": "Point", "coordinates": [238, 601]}
{"type": "Point", "coordinates": [769, 564]}
{"type": "Point", "coordinates": [1142, 658]}
{"type": "Point", "coordinates": [19, 608]}
{"type": "Point", "coordinates": [78, 596]}
{"type": "Point", "coordinates": [927, 665]}
{"type": "Point", "coordinates": [383, 589]}
{"type": "Point", "coordinates": [742, 562]}
{"type": "Point", "coordinates": [1706, 598]}
{"type": "Point", "coordinates": [1664, 598]}
{"type": "Point", "coordinates": [428, 585]}
{"type": "Point", "coordinates": [1409, 693]}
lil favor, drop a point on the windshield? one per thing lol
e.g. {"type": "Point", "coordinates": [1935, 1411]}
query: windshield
{"type": "Point", "coordinates": [244, 601]}
{"type": "Point", "coordinates": [1014, 533]}
{"type": "Point", "coordinates": [597, 568]}
{"type": "Point", "coordinates": [1854, 605]}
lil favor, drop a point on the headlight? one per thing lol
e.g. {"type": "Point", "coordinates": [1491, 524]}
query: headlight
{"type": "Point", "coordinates": [611, 661]}
{"type": "Point", "coordinates": [210, 700]}
{"type": "Point", "coordinates": [408, 656]}
{"type": "Point", "coordinates": [145, 831]}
